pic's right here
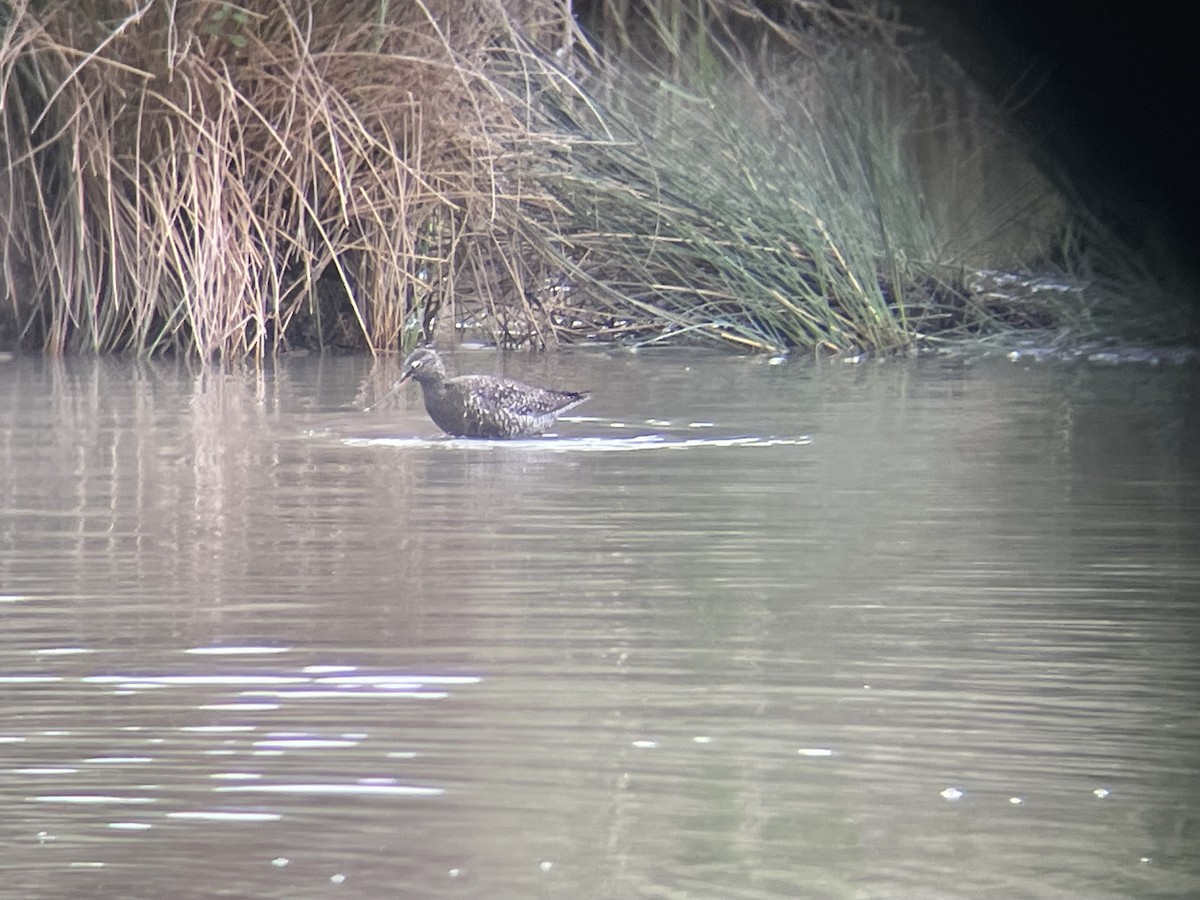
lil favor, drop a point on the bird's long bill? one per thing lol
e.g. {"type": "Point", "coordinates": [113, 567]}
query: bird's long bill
{"type": "Point", "coordinates": [395, 387]}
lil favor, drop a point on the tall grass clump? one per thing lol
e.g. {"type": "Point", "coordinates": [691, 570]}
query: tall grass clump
{"type": "Point", "coordinates": [236, 178]}
{"type": "Point", "coordinates": [240, 178]}
{"type": "Point", "coordinates": [829, 182]}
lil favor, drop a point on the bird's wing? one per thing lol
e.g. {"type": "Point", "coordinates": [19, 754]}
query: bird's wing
{"type": "Point", "coordinates": [491, 394]}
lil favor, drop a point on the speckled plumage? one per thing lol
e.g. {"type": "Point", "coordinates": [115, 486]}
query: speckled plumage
{"type": "Point", "coordinates": [483, 406]}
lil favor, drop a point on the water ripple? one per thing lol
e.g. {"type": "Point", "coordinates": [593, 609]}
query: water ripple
{"type": "Point", "coordinates": [552, 444]}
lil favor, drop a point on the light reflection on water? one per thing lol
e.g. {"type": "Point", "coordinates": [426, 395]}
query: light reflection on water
{"type": "Point", "coordinates": [883, 631]}
{"type": "Point", "coordinates": [555, 444]}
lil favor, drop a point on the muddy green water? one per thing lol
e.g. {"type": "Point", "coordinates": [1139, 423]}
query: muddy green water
{"type": "Point", "coordinates": [903, 630]}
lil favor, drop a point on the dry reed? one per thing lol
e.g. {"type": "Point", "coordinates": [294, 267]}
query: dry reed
{"type": "Point", "coordinates": [236, 179]}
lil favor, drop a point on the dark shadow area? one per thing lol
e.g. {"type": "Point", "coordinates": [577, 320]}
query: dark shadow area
{"type": "Point", "coordinates": [1105, 95]}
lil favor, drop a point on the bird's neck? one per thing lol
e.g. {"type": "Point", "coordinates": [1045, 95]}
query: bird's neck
{"type": "Point", "coordinates": [433, 387]}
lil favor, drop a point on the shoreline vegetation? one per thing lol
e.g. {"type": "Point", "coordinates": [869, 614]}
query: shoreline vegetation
{"type": "Point", "coordinates": [241, 179]}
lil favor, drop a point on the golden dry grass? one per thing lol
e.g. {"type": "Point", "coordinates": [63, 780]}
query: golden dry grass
{"type": "Point", "coordinates": [232, 178]}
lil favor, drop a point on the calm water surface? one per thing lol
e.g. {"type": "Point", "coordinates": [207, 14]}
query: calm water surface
{"type": "Point", "coordinates": [907, 630]}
